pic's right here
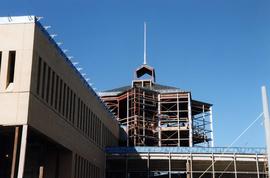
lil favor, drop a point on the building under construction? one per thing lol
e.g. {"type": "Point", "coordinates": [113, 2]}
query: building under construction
{"type": "Point", "coordinates": [168, 134]}
{"type": "Point", "coordinates": [54, 125]}
{"type": "Point", "coordinates": [156, 115]}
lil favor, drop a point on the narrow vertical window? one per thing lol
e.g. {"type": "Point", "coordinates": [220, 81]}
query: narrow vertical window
{"type": "Point", "coordinates": [43, 79]}
{"type": "Point", "coordinates": [60, 96]}
{"type": "Point", "coordinates": [48, 84]}
{"type": "Point", "coordinates": [38, 74]}
{"type": "Point", "coordinates": [74, 108]}
{"type": "Point", "coordinates": [78, 112]}
{"type": "Point", "coordinates": [52, 88]}
{"type": "Point", "coordinates": [64, 100]}
{"type": "Point", "coordinates": [0, 62]}
{"type": "Point", "coordinates": [67, 103]}
{"type": "Point", "coordinates": [56, 92]}
{"type": "Point", "coordinates": [70, 104]}
{"type": "Point", "coordinates": [11, 67]}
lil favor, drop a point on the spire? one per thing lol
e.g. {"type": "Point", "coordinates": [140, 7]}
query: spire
{"type": "Point", "coordinates": [144, 59]}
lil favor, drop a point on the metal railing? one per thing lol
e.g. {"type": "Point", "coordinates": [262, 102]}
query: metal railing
{"type": "Point", "coordinates": [222, 150]}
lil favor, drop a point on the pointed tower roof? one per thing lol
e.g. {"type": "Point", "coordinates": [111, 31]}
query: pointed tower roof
{"type": "Point", "coordinates": [145, 69]}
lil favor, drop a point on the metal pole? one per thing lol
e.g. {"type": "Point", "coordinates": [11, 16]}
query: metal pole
{"type": "Point", "coordinates": [191, 165]}
{"type": "Point", "coordinates": [178, 120]}
{"type": "Point", "coordinates": [235, 166]}
{"type": "Point", "coordinates": [257, 167]}
{"type": "Point", "coordinates": [22, 151]}
{"type": "Point", "coordinates": [211, 127]}
{"type": "Point", "coordinates": [266, 123]}
{"type": "Point", "coordinates": [213, 166]}
{"type": "Point", "coordinates": [14, 155]}
{"type": "Point", "coordinates": [190, 121]}
{"type": "Point", "coordinates": [159, 122]}
{"type": "Point", "coordinates": [127, 119]}
{"type": "Point", "coordinates": [170, 167]}
{"type": "Point", "coordinates": [148, 165]}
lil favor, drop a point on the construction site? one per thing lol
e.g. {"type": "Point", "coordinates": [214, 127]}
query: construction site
{"type": "Point", "coordinates": [165, 133]}
{"type": "Point", "coordinates": [168, 134]}
{"type": "Point", "coordinates": [156, 115]}
{"type": "Point", "coordinates": [54, 124]}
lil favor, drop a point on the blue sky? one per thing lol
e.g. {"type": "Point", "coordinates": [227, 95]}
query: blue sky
{"type": "Point", "coordinates": [218, 49]}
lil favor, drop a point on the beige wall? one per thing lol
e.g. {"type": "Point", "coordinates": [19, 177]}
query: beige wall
{"type": "Point", "coordinates": [14, 98]}
{"type": "Point", "coordinates": [20, 103]}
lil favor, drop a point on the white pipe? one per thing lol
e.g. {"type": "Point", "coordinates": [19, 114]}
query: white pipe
{"type": "Point", "coordinates": [266, 123]}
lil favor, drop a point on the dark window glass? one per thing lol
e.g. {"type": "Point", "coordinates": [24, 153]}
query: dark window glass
{"type": "Point", "coordinates": [48, 84]}
{"type": "Point", "coordinates": [64, 100]}
{"type": "Point", "coordinates": [38, 74]}
{"type": "Point", "coordinates": [52, 88]}
{"type": "Point", "coordinates": [0, 61]}
{"type": "Point", "coordinates": [67, 103]}
{"type": "Point", "coordinates": [74, 107]}
{"type": "Point", "coordinates": [43, 79]}
{"type": "Point", "coordinates": [60, 96]}
{"type": "Point", "coordinates": [78, 112]}
{"type": "Point", "coordinates": [56, 93]}
{"type": "Point", "coordinates": [11, 67]}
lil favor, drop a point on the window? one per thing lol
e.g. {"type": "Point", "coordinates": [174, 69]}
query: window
{"type": "Point", "coordinates": [64, 99]}
{"type": "Point", "coordinates": [43, 79]}
{"type": "Point", "coordinates": [67, 103]}
{"type": "Point", "coordinates": [11, 67]}
{"type": "Point", "coordinates": [0, 61]}
{"type": "Point", "coordinates": [56, 93]}
{"type": "Point", "coordinates": [38, 74]}
{"type": "Point", "coordinates": [74, 108]}
{"type": "Point", "coordinates": [60, 96]}
{"type": "Point", "coordinates": [48, 84]}
{"type": "Point", "coordinates": [52, 88]}
{"type": "Point", "coordinates": [78, 112]}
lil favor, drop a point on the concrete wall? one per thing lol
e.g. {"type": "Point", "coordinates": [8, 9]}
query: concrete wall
{"type": "Point", "coordinates": [14, 97]}
{"type": "Point", "coordinates": [21, 104]}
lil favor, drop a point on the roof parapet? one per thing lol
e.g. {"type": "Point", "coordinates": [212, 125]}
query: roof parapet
{"type": "Point", "coordinates": [18, 19]}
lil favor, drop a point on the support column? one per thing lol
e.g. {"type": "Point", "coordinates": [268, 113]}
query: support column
{"type": "Point", "coordinates": [190, 121]}
{"type": "Point", "coordinates": [170, 166]}
{"type": "Point", "coordinates": [126, 169]}
{"type": "Point", "coordinates": [257, 167]}
{"type": "Point", "coordinates": [213, 166]}
{"type": "Point", "coordinates": [127, 119]}
{"type": "Point", "coordinates": [235, 167]}
{"type": "Point", "coordinates": [211, 126]}
{"type": "Point", "coordinates": [159, 122]}
{"type": "Point", "coordinates": [148, 165]}
{"type": "Point", "coordinates": [22, 151]}
{"type": "Point", "coordinates": [188, 168]}
{"type": "Point", "coordinates": [144, 118]}
{"type": "Point", "coordinates": [191, 166]}
{"type": "Point", "coordinates": [178, 121]}
{"type": "Point", "coordinates": [14, 155]}
{"type": "Point", "coordinates": [266, 124]}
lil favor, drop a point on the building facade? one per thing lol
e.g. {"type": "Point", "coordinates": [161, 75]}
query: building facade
{"type": "Point", "coordinates": [53, 125]}
{"type": "Point", "coordinates": [157, 115]}
{"type": "Point", "coordinates": [52, 122]}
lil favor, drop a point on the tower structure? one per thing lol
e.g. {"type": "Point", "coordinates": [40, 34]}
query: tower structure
{"type": "Point", "coordinates": [158, 115]}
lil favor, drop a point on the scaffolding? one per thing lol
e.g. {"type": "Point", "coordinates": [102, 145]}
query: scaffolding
{"type": "Point", "coordinates": [152, 117]}
{"type": "Point", "coordinates": [170, 162]}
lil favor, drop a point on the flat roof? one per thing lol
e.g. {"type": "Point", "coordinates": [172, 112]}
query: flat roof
{"type": "Point", "coordinates": [18, 19]}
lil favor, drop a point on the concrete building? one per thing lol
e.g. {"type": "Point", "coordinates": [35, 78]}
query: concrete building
{"type": "Point", "coordinates": [53, 125]}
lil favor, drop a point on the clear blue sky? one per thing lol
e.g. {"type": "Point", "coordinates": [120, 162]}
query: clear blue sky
{"type": "Point", "coordinates": [218, 49]}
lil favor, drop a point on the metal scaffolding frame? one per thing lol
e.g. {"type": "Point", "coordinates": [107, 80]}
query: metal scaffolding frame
{"type": "Point", "coordinates": [161, 118]}
{"type": "Point", "coordinates": [189, 163]}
